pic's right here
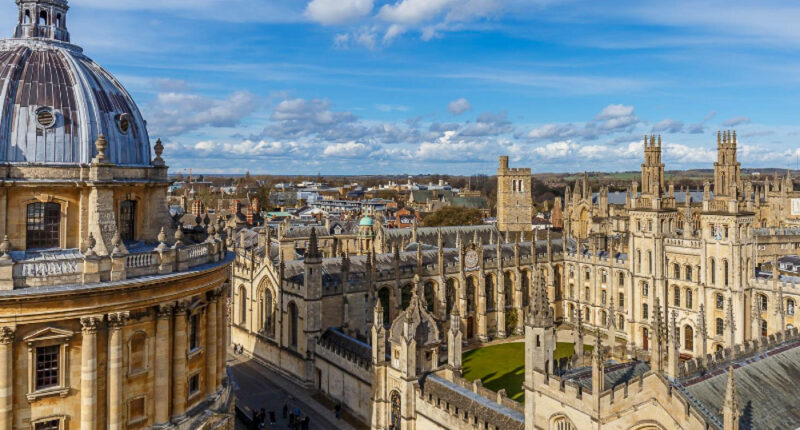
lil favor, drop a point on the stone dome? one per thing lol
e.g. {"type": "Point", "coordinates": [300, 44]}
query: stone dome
{"type": "Point", "coordinates": [366, 221]}
{"type": "Point", "coordinates": [56, 101]}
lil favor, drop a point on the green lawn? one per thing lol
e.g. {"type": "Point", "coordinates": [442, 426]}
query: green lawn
{"type": "Point", "coordinates": [503, 366]}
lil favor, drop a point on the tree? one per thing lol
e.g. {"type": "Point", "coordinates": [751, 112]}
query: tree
{"type": "Point", "coordinates": [449, 216]}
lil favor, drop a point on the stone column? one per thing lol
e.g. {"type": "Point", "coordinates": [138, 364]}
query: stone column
{"type": "Point", "coordinates": [162, 365]}
{"type": "Point", "coordinates": [211, 343]}
{"type": "Point", "coordinates": [89, 372]}
{"type": "Point", "coordinates": [179, 352]}
{"type": "Point", "coordinates": [222, 329]}
{"type": "Point", "coordinates": [6, 378]}
{"type": "Point", "coordinates": [115, 378]}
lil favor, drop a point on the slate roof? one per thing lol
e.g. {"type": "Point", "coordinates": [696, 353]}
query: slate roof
{"type": "Point", "coordinates": [767, 385]}
{"type": "Point", "coordinates": [497, 415]}
{"type": "Point", "coordinates": [334, 339]}
{"type": "Point", "coordinates": [615, 374]}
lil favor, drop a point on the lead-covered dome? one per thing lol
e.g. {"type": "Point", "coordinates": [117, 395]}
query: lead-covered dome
{"type": "Point", "coordinates": [56, 101]}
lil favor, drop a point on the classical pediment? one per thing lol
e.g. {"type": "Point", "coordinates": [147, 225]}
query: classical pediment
{"type": "Point", "coordinates": [48, 333]}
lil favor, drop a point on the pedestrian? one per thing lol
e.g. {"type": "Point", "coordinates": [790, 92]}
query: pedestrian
{"type": "Point", "coordinates": [271, 418]}
{"type": "Point", "coordinates": [254, 422]}
{"type": "Point", "coordinates": [291, 419]}
{"type": "Point", "coordinates": [306, 422]}
{"type": "Point", "coordinates": [338, 410]}
{"type": "Point", "coordinates": [262, 418]}
{"type": "Point", "coordinates": [285, 410]}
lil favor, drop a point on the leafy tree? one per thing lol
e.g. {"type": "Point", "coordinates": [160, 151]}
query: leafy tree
{"type": "Point", "coordinates": [449, 216]}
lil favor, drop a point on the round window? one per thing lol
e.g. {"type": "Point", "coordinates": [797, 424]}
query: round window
{"type": "Point", "coordinates": [124, 123]}
{"type": "Point", "coordinates": [45, 117]}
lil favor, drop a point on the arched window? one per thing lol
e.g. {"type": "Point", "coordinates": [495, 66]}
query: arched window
{"type": "Point", "coordinates": [586, 314]}
{"type": "Point", "coordinates": [649, 261]}
{"type": "Point", "coordinates": [689, 299]}
{"type": "Point", "coordinates": [789, 307]}
{"type": "Point", "coordinates": [688, 338]}
{"type": "Point", "coordinates": [720, 325]}
{"type": "Point", "coordinates": [42, 226]}
{"type": "Point", "coordinates": [638, 260]}
{"type": "Point", "coordinates": [712, 270]}
{"type": "Point", "coordinates": [292, 308]}
{"type": "Point", "coordinates": [586, 294]}
{"type": "Point", "coordinates": [688, 273]}
{"type": "Point", "coordinates": [621, 300]}
{"type": "Point", "coordinates": [621, 324]}
{"type": "Point", "coordinates": [645, 311]}
{"type": "Point", "coordinates": [508, 289]}
{"type": "Point", "coordinates": [603, 297]}
{"type": "Point", "coordinates": [572, 311]}
{"type": "Point", "coordinates": [562, 423]}
{"type": "Point", "coordinates": [603, 276]}
{"type": "Point", "coordinates": [470, 294]}
{"type": "Point", "coordinates": [725, 271]}
{"type": "Point", "coordinates": [405, 295]}
{"type": "Point", "coordinates": [676, 269]}
{"type": "Point", "coordinates": [242, 305]}
{"type": "Point", "coordinates": [526, 289]}
{"type": "Point", "coordinates": [430, 295]}
{"type": "Point", "coordinates": [677, 299]}
{"type": "Point", "coordinates": [621, 279]}
{"type": "Point", "coordinates": [27, 19]}
{"type": "Point", "coordinates": [763, 328]}
{"type": "Point", "coordinates": [587, 274]}
{"type": "Point", "coordinates": [603, 318]}
{"type": "Point", "coordinates": [450, 295]}
{"type": "Point", "coordinates": [645, 289]}
{"type": "Point", "coordinates": [43, 18]}
{"type": "Point", "coordinates": [127, 220]}
{"type": "Point", "coordinates": [720, 301]}
{"type": "Point", "coordinates": [384, 296]}
{"type": "Point", "coordinates": [137, 352]}
{"type": "Point", "coordinates": [762, 302]}
{"type": "Point", "coordinates": [266, 311]}
{"type": "Point", "coordinates": [489, 291]}
{"type": "Point", "coordinates": [396, 414]}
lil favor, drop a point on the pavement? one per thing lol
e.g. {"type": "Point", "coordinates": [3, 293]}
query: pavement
{"type": "Point", "coordinates": [258, 387]}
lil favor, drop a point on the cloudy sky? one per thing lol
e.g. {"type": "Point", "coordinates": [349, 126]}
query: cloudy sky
{"type": "Point", "coordinates": [445, 86]}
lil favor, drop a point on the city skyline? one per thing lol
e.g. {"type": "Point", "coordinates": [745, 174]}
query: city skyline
{"type": "Point", "coordinates": [370, 87]}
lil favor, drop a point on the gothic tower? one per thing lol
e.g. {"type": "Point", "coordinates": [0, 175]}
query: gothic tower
{"type": "Point", "coordinates": [726, 169]}
{"type": "Point", "coordinates": [652, 168]}
{"type": "Point", "coordinates": [514, 202]}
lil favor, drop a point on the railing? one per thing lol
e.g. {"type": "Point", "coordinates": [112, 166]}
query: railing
{"type": "Point", "coordinates": [70, 267]}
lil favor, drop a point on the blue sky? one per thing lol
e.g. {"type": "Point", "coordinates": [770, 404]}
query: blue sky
{"type": "Point", "coordinates": [445, 86]}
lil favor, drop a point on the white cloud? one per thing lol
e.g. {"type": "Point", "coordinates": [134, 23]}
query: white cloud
{"type": "Point", "coordinates": [668, 125]}
{"type": "Point", "coordinates": [459, 106]}
{"type": "Point", "coordinates": [555, 150]}
{"type": "Point", "coordinates": [174, 113]}
{"type": "Point", "coordinates": [615, 118]}
{"type": "Point", "coordinates": [552, 131]}
{"type": "Point", "coordinates": [347, 150]}
{"type": "Point", "coordinates": [737, 120]}
{"type": "Point", "coordinates": [332, 12]}
{"type": "Point", "coordinates": [412, 12]}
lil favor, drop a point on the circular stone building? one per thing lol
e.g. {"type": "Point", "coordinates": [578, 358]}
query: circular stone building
{"type": "Point", "coordinates": [110, 318]}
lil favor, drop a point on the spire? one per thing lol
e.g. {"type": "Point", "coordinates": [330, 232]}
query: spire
{"type": "Point", "coordinates": [703, 329]}
{"type": "Point", "coordinates": [540, 315]}
{"type": "Point", "coordinates": [454, 339]}
{"type": "Point", "coordinates": [730, 409]}
{"type": "Point", "coordinates": [313, 248]}
{"type": "Point", "coordinates": [730, 325]}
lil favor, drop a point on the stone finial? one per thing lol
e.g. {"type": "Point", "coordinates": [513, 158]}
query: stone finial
{"type": "Point", "coordinates": [90, 243]}
{"type": "Point", "coordinates": [101, 144]}
{"type": "Point", "coordinates": [159, 149]}
{"type": "Point", "coordinates": [178, 237]}
{"type": "Point", "coordinates": [5, 248]}
{"type": "Point", "coordinates": [162, 238]}
{"type": "Point", "coordinates": [115, 242]}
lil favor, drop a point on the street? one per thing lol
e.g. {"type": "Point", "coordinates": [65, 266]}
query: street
{"type": "Point", "coordinates": [257, 387]}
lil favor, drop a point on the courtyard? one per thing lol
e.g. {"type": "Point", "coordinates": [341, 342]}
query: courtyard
{"type": "Point", "coordinates": [502, 366]}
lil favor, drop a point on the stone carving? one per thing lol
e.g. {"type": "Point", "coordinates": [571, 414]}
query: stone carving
{"type": "Point", "coordinates": [89, 324]}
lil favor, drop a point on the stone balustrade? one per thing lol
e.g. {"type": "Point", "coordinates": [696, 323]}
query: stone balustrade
{"type": "Point", "coordinates": [69, 267]}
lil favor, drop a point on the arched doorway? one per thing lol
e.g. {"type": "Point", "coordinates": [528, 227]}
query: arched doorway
{"type": "Point", "coordinates": [645, 338]}
{"type": "Point", "coordinates": [688, 338]}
